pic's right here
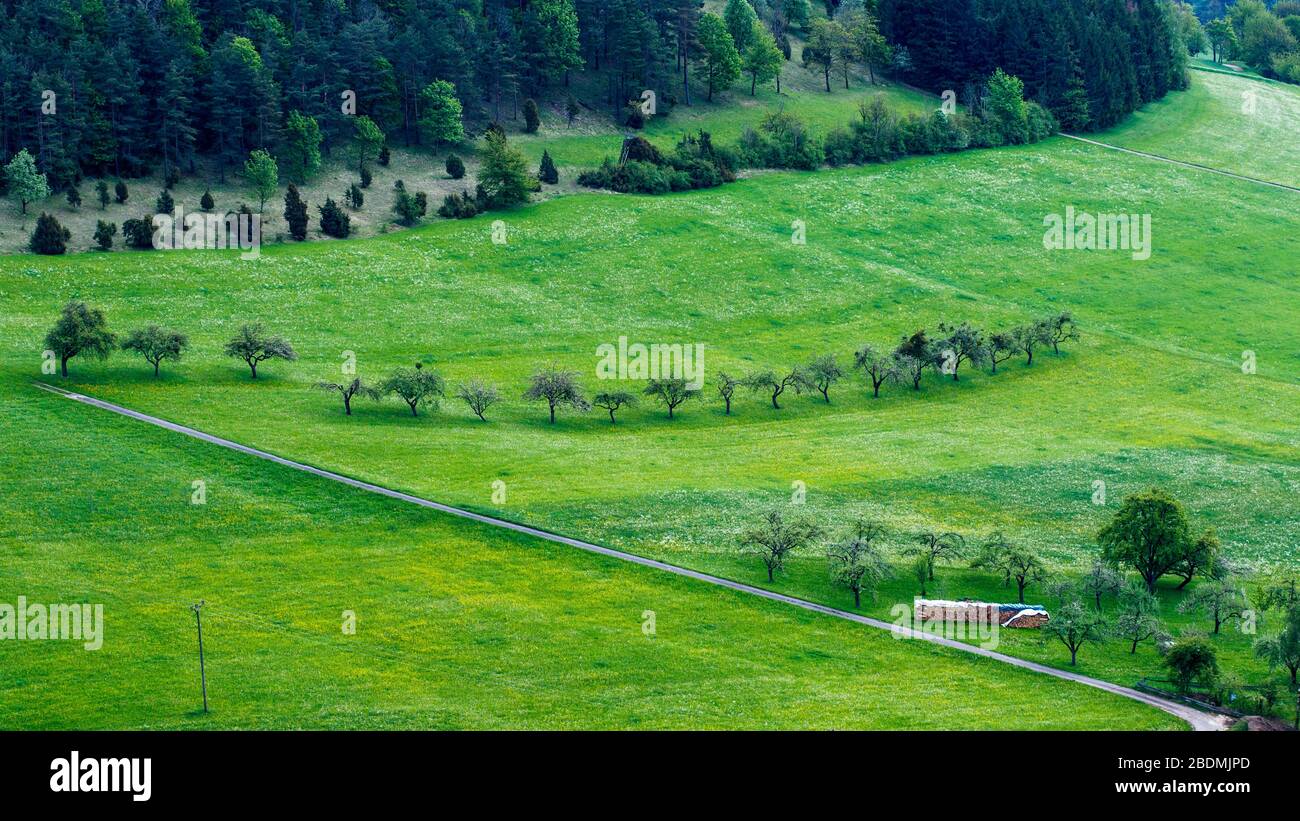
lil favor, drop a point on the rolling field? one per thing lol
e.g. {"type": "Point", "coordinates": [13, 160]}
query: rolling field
{"type": "Point", "coordinates": [458, 626]}
{"type": "Point", "coordinates": [1238, 124]}
{"type": "Point", "coordinates": [1153, 394]}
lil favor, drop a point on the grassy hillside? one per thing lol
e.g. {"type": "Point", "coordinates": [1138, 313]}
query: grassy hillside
{"type": "Point", "coordinates": [1153, 394]}
{"type": "Point", "coordinates": [1236, 123]}
{"type": "Point", "coordinates": [594, 135]}
{"type": "Point", "coordinates": [458, 626]}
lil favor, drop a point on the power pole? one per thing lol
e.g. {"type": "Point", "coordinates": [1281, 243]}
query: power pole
{"type": "Point", "coordinates": [203, 676]}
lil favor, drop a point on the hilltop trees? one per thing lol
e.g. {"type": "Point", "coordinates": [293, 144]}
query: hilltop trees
{"type": "Point", "coordinates": [157, 345]}
{"type": "Point", "coordinates": [263, 176]}
{"type": "Point", "coordinates": [80, 329]}
{"type": "Point", "coordinates": [828, 44]}
{"type": "Point", "coordinates": [254, 345]}
{"type": "Point", "coordinates": [504, 174]}
{"type": "Point", "coordinates": [740, 19]}
{"type": "Point", "coordinates": [301, 146]}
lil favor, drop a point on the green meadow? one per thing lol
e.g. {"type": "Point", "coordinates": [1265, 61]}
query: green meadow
{"type": "Point", "coordinates": [1154, 394]}
{"type": "Point", "coordinates": [457, 626]}
{"type": "Point", "coordinates": [1246, 125]}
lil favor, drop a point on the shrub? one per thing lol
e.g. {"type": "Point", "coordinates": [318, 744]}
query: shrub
{"type": "Point", "coordinates": [165, 204]}
{"type": "Point", "coordinates": [547, 172]}
{"type": "Point", "coordinates": [633, 116]}
{"type": "Point", "coordinates": [104, 233]}
{"type": "Point", "coordinates": [1042, 124]}
{"type": "Point", "coordinates": [459, 206]}
{"type": "Point", "coordinates": [532, 116]}
{"type": "Point", "coordinates": [385, 156]}
{"type": "Point", "coordinates": [74, 197]}
{"type": "Point", "coordinates": [138, 234]}
{"type": "Point", "coordinates": [839, 147]}
{"type": "Point", "coordinates": [365, 177]}
{"type": "Point", "coordinates": [353, 197]}
{"type": "Point", "coordinates": [641, 149]}
{"type": "Point", "coordinates": [173, 177]}
{"type": "Point", "coordinates": [334, 221]}
{"type": "Point", "coordinates": [206, 202]}
{"type": "Point", "coordinates": [120, 193]}
{"type": "Point", "coordinates": [49, 237]}
{"type": "Point", "coordinates": [295, 213]}
{"type": "Point", "coordinates": [455, 167]}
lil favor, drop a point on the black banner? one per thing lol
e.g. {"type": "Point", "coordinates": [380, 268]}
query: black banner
{"type": "Point", "coordinates": [141, 771]}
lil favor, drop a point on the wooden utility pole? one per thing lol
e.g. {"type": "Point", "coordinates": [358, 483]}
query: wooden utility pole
{"type": "Point", "coordinates": [203, 676]}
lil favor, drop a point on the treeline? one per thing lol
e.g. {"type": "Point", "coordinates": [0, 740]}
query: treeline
{"type": "Point", "coordinates": [1090, 62]}
{"type": "Point", "coordinates": [122, 88]}
{"type": "Point", "coordinates": [83, 331]}
{"type": "Point", "coordinates": [1267, 40]}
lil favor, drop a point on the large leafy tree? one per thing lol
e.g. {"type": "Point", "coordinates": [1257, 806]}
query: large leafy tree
{"type": "Point", "coordinates": [551, 39]}
{"type": "Point", "coordinates": [1149, 533]}
{"type": "Point", "coordinates": [762, 58]}
{"type": "Point", "coordinates": [263, 176]}
{"type": "Point", "coordinates": [26, 183]}
{"type": "Point", "coordinates": [440, 115]}
{"type": "Point", "coordinates": [718, 62]}
{"type": "Point", "coordinates": [80, 329]}
{"type": "Point", "coordinates": [301, 147]}
{"type": "Point", "coordinates": [740, 19]}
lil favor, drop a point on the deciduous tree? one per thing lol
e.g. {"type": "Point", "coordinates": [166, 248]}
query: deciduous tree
{"type": "Point", "coordinates": [80, 329]}
{"type": "Point", "coordinates": [157, 345]}
{"type": "Point", "coordinates": [253, 345]}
